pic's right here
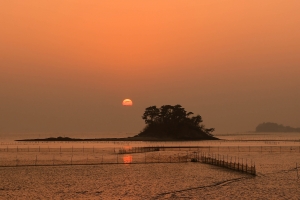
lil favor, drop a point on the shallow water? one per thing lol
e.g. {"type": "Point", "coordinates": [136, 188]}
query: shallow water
{"type": "Point", "coordinates": [276, 179]}
{"type": "Point", "coordinates": [135, 181]}
{"type": "Point", "coordinates": [275, 164]}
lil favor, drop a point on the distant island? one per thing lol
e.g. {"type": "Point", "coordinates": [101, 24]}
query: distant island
{"type": "Point", "coordinates": [167, 123]}
{"type": "Point", "coordinates": [174, 123]}
{"type": "Point", "coordinates": [274, 127]}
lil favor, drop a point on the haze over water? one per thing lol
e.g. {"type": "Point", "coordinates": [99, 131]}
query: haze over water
{"type": "Point", "coordinates": [66, 66]}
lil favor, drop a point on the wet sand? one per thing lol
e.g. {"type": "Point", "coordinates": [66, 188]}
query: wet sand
{"type": "Point", "coordinates": [276, 174]}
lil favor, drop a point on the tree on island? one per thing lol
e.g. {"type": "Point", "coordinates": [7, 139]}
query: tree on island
{"type": "Point", "coordinates": [167, 123]}
{"type": "Point", "coordinates": [173, 123]}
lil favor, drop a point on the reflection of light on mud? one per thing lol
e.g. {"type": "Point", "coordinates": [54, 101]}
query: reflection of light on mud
{"type": "Point", "coordinates": [127, 147]}
{"type": "Point", "coordinates": [127, 159]}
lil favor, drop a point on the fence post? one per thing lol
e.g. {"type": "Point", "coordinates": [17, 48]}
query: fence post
{"type": "Point", "coordinates": [35, 159]}
{"type": "Point", "coordinates": [242, 164]}
{"type": "Point", "coordinates": [297, 171]}
{"type": "Point", "coordinates": [271, 149]}
{"type": "Point", "coordinates": [227, 159]}
{"type": "Point", "coordinates": [206, 158]}
{"type": "Point", "coordinates": [215, 160]}
{"type": "Point", "coordinates": [186, 156]}
{"type": "Point", "coordinates": [280, 149]}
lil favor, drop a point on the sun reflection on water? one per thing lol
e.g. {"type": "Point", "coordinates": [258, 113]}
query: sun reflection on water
{"type": "Point", "coordinates": [127, 159]}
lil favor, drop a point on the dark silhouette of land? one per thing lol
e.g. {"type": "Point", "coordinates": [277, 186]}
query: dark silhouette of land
{"type": "Point", "coordinates": [167, 123]}
{"type": "Point", "coordinates": [274, 127]}
{"type": "Point", "coordinates": [174, 123]}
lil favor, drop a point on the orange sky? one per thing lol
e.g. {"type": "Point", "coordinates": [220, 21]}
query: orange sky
{"type": "Point", "coordinates": [68, 65]}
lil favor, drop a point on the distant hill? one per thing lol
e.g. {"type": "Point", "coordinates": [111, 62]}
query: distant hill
{"type": "Point", "coordinates": [274, 127]}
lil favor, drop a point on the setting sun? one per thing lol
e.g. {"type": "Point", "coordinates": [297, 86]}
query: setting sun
{"type": "Point", "coordinates": [127, 102]}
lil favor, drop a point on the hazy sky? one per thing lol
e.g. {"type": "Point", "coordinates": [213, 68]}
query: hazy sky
{"type": "Point", "coordinates": [67, 65]}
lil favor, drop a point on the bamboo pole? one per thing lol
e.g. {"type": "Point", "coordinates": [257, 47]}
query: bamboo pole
{"type": "Point", "coordinates": [297, 171]}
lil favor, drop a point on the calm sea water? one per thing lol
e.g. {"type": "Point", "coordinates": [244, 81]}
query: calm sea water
{"type": "Point", "coordinates": [226, 136]}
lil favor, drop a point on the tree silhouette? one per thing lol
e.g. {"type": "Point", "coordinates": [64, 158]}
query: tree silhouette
{"type": "Point", "coordinates": [174, 122]}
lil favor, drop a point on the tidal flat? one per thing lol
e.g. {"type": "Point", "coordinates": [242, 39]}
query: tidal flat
{"type": "Point", "coordinates": [96, 171]}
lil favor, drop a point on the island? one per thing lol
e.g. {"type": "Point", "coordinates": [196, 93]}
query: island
{"type": "Point", "coordinates": [167, 123]}
{"type": "Point", "coordinates": [274, 127]}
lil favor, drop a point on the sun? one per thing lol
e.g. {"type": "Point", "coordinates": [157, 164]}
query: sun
{"type": "Point", "coordinates": [127, 102]}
